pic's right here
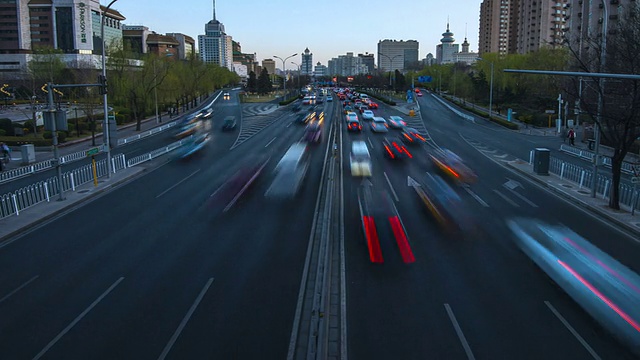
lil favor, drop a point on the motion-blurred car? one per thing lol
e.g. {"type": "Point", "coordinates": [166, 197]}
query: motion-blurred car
{"type": "Point", "coordinates": [362, 108]}
{"type": "Point", "coordinates": [313, 133]}
{"type": "Point", "coordinates": [329, 98]}
{"type": "Point", "coordinates": [445, 205]}
{"type": "Point", "coordinates": [206, 113]}
{"type": "Point", "coordinates": [290, 172]}
{"type": "Point", "coordinates": [394, 149]}
{"type": "Point", "coordinates": [229, 123]}
{"type": "Point", "coordinates": [396, 122]}
{"type": "Point", "coordinates": [226, 96]}
{"type": "Point", "coordinates": [360, 159]}
{"type": "Point", "coordinates": [230, 192]}
{"type": "Point", "coordinates": [348, 109]}
{"type": "Point", "coordinates": [187, 130]}
{"type": "Point", "coordinates": [367, 115]}
{"type": "Point", "coordinates": [354, 125]}
{"type": "Point", "coordinates": [379, 125]}
{"type": "Point", "coordinates": [296, 107]}
{"type": "Point", "coordinates": [452, 166]}
{"type": "Point", "coordinates": [192, 146]}
{"type": "Point", "coordinates": [601, 285]}
{"type": "Point", "coordinates": [411, 136]}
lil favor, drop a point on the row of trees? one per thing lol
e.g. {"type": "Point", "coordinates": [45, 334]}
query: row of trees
{"type": "Point", "coordinates": [133, 81]}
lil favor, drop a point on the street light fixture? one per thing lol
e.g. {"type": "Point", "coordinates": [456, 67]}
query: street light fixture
{"type": "Point", "coordinates": [490, 88]}
{"type": "Point", "coordinates": [105, 126]}
{"type": "Point", "coordinates": [284, 78]}
{"type": "Point", "coordinates": [390, 64]}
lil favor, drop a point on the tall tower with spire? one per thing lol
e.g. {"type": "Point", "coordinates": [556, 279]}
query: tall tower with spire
{"type": "Point", "coordinates": [446, 48]}
{"type": "Point", "coordinates": [215, 45]}
{"type": "Point", "coordinates": [306, 67]}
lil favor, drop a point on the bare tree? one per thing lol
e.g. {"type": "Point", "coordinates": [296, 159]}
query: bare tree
{"type": "Point", "coordinates": [619, 120]}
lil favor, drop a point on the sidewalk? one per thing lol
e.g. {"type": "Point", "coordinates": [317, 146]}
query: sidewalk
{"type": "Point", "coordinates": [582, 196]}
{"type": "Point", "coordinates": [70, 147]}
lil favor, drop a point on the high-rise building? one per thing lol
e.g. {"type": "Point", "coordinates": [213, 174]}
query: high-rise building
{"type": "Point", "coordinates": [346, 65]}
{"type": "Point", "coordinates": [396, 55]}
{"type": "Point", "coordinates": [186, 47]}
{"type": "Point", "coordinates": [586, 18]}
{"type": "Point", "coordinates": [498, 26]}
{"type": "Point", "coordinates": [270, 65]}
{"type": "Point", "coordinates": [72, 26]}
{"type": "Point", "coordinates": [306, 67]}
{"type": "Point", "coordinates": [215, 45]}
{"type": "Point", "coordinates": [541, 23]}
{"type": "Point", "coordinates": [446, 48]}
{"type": "Point", "coordinates": [368, 61]}
{"type": "Point", "coordinates": [320, 70]}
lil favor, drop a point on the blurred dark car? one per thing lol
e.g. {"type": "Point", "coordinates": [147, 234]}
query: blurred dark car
{"type": "Point", "coordinates": [313, 133]}
{"type": "Point", "coordinates": [452, 166]}
{"type": "Point", "coordinates": [395, 149]}
{"type": "Point", "coordinates": [446, 206]}
{"type": "Point", "coordinates": [229, 123]}
{"type": "Point", "coordinates": [411, 136]}
{"type": "Point", "coordinates": [296, 107]}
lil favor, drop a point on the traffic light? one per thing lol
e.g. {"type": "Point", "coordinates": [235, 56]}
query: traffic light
{"type": "Point", "coordinates": [102, 80]}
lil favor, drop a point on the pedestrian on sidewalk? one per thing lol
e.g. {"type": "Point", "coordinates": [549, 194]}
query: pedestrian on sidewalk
{"type": "Point", "coordinates": [6, 152]}
{"type": "Point", "coordinates": [572, 137]}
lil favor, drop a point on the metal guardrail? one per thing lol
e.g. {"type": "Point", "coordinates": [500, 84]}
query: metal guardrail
{"type": "Point", "coordinates": [27, 170]}
{"type": "Point", "coordinates": [588, 155]}
{"type": "Point", "coordinates": [147, 133]}
{"type": "Point", "coordinates": [14, 203]}
{"type": "Point", "coordinates": [456, 111]}
{"type": "Point", "coordinates": [158, 152]}
{"type": "Point", "coordinates": [19, 200]}
{"type": "Point", "coordinates": [584, 178]}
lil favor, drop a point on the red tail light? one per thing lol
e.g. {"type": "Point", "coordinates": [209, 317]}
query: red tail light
{"type": "Point", "coordinates": [407, 152]}
{"type": "Point", "coordinates": [389, 152]}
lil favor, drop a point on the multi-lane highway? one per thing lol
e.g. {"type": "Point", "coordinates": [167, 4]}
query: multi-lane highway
{"type": "Point", "coordinates": [164, 267]}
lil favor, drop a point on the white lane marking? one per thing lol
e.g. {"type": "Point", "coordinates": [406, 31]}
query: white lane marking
{"type": "Point", "coordinates": [77, 319]}
{"type": "Point", "coordinates": [184, 321]}
{"type": "Point", "coordinates": [395, 196]}
{"type": "Point", "coordinates": [506, 198]}
{"type": "Point", "coordinates": [370, 143]}
{"type": "Point", "coordinates": [522, 197]}
{"type": "Point", "coordinates": [269, 143]}
{"type": "Point", "coordinates": [476, 196]}
{"type": "Point", "coordinates": [178, 183]}
{"type": "Point", "coordinates": [572, 330]}
{"type": "Point", "coordinates": [456, 326]}
{"type": "Point", "coordinates": [18, 288]}
{"type": "Point", "coordinates": [289, 124]}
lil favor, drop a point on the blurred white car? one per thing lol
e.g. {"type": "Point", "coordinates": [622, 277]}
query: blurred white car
{"type": "Point", "coordinates": [396, 122]}
{"type": "Point", "coordinates": [367, 115]}
{"type": "Point", "coordinates": [379, 125]}
{"type": "Point", "coordinates": [360, 159]}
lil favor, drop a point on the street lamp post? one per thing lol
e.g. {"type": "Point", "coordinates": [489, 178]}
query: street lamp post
{"type": "Point", "coordinates": [603, 52]}
{"type": "Point", "coordinates": [33, 114]}
{"type": "Point", "coordinates": [490, 88]}
{"type": "Point", "coordinates": [298, 65]}
{"type": "Point", "coordinates": [105, 126]}
{"type": "Point", "coordinates": [390, 65]}
{"type": "Point", "coordinates": [284, 71]}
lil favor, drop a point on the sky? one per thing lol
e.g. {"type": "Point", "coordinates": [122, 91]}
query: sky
{"type": "Point", "coordinates": [328, 28]}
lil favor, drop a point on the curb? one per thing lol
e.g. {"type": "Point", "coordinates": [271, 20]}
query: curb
{"type": "Point", "coordinates": [78, 141]}
{"type": "Point", "coordinates": [594, 210]}
{"type": "Point", "coordinates": [139, 171]}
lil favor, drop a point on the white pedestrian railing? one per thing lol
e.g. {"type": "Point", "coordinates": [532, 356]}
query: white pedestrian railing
{"type": "Point", "coordinates": [583, 177]}
{"type": "Point", "coordinates": [588, 155]}
{"type": "Point", "coordinates": [158, 152]}
{"type": "Point", "coordinates": [147, 133]}
{"type": "Point", "coordinates": [27, 170]}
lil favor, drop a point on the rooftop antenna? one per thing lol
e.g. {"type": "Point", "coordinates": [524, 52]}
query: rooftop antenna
{"type": "Point", "coordinates": [214, 9]}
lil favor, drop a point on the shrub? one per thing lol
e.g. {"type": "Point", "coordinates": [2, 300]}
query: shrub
{"type": "Point", "coordinates": [3, 132]}
{"type": "Point", "coordinates": [62, 136]}
{"type": "Point", "coordinates": [7, 126]}
{"type": "Point", "coordinates": [47, 135]}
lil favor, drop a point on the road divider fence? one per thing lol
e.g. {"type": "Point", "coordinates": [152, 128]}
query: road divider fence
{"type": "Point", "coordinates": [589, 155]}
